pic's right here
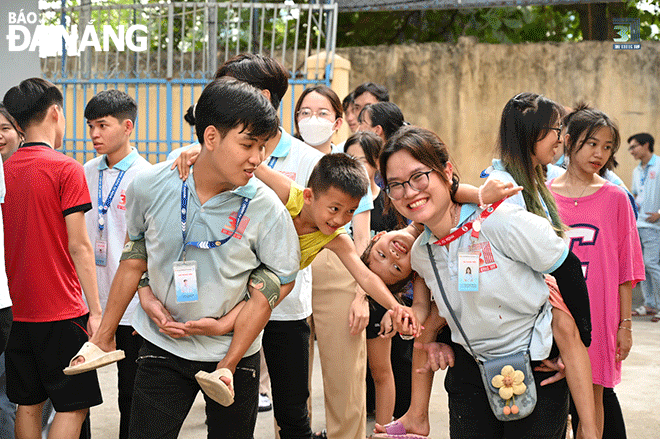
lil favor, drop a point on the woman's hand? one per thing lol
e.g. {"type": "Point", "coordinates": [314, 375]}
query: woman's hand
{"type": "Point", "coordinates": [623, 342]}
{"type": "Point", "coordinates": [358, 316]}
{"type": "Point", "coordinates": [439, 356]}
{"type": "Point", "coordinates": [494, 190]}
{"type": "Point", "coordinates": [386, 326]}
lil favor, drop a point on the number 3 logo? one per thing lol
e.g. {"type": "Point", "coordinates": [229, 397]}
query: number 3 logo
{"type": "Point", "coordinates": [623, 32]}
{"type": "Point", "coordinates": [579, 235]}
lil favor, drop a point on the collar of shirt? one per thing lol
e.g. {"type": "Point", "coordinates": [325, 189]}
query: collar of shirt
{"type": "Point", "coordinates": [123, 164]}
{"type": "Point", "coordinates": [650, 163]}
{"type": "Point", "coordinates": [284, 146]}
{"type": "Point", "coordinates": [247, 191]}
{"type": "Point", "coordinates": [467, 210]}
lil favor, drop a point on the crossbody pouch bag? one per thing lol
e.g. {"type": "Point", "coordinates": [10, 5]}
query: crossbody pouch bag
{"type": "Point", "coordinates": [508, 380]}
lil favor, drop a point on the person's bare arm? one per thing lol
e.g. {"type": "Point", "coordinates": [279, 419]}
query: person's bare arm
{"type": "Point", "coordinates": [343, 247]}
{"type": "Point", "coordinates": [492, 191]}
{"type": "Point", "coordinates": [185, 160]}
{"type": "Point", "coordinates": [624, 335]}
{"type": "Point", "coordinates": [362, 230]}
{"type": "Point", "coordinates": [82, 254]}
{"type": "Point", "coordinates": [275, 180]}
{"type": "Point", "coordinates": [249, 323]}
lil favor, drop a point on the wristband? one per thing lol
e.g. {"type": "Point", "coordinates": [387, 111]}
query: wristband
{"type": "Point", "coordinates": [480, 195]}
{"type": "Point", "coordinates": [625, 320]}
{"type": "Point", "coordinates": [406, 337]}
{"type": "Point", "coordinates": [627, 329]}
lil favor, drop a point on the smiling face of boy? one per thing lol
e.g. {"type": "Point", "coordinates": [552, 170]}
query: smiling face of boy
{"type": "Point", "coordinates": [330, 209]}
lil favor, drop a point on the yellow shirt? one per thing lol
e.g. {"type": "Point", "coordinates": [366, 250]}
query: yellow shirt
{"type": "Point", "coordinates": [310, 243]}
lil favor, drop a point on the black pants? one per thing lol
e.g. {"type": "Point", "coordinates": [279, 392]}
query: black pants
{"type": "Point", "coordinates": [286, 349]}
{"type": "Point", "coordinates": [165, 389]}
{"type": "Point", "coordinates": [126, 370]}
{"type": "Point", "coordinates": [470, 415]}
{"type": "Point", "coordinates": [614, 427]}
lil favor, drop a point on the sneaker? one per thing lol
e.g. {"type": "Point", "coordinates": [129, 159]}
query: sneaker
{"type": "Point", "coordinates": [643, 310]}
{"type": "Point", "coordinates": [656, 318]}
{"type": "Point", "coordinates": [264, 403]}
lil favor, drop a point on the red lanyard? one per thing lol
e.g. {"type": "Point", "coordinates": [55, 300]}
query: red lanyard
{"type": "Point", "coordinates": [474, 225]}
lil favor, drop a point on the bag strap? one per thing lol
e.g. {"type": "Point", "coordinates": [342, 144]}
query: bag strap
{"type": "Point", "coordinates": [451, 310]}
{"type": "Point", "coordinates": [444, 298]}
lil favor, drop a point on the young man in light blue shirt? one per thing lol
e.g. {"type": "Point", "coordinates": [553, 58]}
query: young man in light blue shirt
{"type": "Point", "coordinates": [219, 225]}
{"type": "Point", "coordinates": [646, 190]}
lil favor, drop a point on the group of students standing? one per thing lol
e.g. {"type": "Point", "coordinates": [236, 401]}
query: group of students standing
{"type": "Point", "coordinates": [553, 275]}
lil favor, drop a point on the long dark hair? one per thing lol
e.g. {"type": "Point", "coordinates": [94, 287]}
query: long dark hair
{"type": "Point", "coordinates": [386, 114]}
{"type": "Point", "coordinates": [526, 119]}
{"type": "Point", "coordinates": [587, 120]}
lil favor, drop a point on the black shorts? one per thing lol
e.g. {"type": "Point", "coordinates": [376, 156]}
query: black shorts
{"type": "Point", "coordinates": [35, 357]}
{"type": "Point", "coordinates": [376, 313]}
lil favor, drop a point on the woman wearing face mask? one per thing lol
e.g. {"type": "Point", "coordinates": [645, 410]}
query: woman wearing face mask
{"type": "Point", "coordinates": [318, 116]}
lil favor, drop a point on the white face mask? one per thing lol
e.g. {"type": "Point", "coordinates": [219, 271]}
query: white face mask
{"type": "Point", "coordinates": [316, 131]}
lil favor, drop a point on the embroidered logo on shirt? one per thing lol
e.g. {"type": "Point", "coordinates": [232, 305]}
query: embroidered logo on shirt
{"type": "Point", "coordinates": [122, 201]}
{"type": "Point", "coordinates": [232, 225]}
{"type": "Point", "coordinates": [486, 259]}
{"type": "Point", "coordinates": [291, 175]}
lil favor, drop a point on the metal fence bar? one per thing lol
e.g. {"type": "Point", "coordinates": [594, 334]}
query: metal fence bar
{"type": "Point", "coordinates": [191, 26]}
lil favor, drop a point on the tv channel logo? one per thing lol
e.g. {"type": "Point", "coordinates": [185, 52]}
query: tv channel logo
{"type": "Point", "coordinates": [626, 34]}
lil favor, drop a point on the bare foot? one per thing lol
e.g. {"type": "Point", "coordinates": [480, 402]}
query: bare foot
{"type": "Point", "coordinates": [415, 425]}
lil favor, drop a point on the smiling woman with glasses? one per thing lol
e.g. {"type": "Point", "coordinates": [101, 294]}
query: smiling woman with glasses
{"type": "Point", "coordinates": [417, 182]}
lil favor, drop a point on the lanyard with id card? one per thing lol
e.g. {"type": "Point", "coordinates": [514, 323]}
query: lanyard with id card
{"type": "Point", "coordinates": [468, 258]}
{"type": "Point", "coordinates": [185, 272]}
{"type": "Point", "coordinates": [101, 243]}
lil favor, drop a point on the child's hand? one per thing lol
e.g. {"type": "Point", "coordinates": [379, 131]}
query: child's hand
{"type": "Point", "coordinates": [186, 160]}
{"type": "Point", "coordinates": [205, 326]}
{"type": "Point", "coordinates": [494, 190]}
{"type": "Point", "coordinates": [358, 315]}
{"type": "Point", "coordinates": [405, 321]}
{"type": "Point", "coordinates": [386, 326]}
{"type": "Point", "coordinates": [439, 356]}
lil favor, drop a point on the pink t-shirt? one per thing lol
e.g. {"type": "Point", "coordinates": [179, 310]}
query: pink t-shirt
{"type": "Point", "coordinates": [603, 235]}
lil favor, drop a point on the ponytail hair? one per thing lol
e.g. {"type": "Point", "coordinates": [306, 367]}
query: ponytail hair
{"type": "Point", "coordinates": [582, 123]}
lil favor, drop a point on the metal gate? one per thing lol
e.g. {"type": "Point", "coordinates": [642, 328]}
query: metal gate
{"type": "Point", "coordinates": [163, 54]}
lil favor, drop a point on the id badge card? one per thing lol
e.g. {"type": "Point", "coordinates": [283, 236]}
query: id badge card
{"type": "Point", "coordinates": [101, 253]}
{"type": "Point", "coordinates": [468, 271]}
{"type": "Point", "coordinates": [185, 281]}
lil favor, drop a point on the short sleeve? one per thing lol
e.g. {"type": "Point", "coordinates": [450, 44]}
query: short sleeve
{"type": "Point", "coordinates": [74, 193]}
{"type": "Point", "coordinates": [366, 202]}
{"type": "Point", "coordinates": [135, 218]}
{"type": "Point", "coordinates": [295, 202]}
{"type": "Point", "coordinates": [631, 261]}
{"type": "Point", "coordinates": [278, 247]}
{"type": "Point", "coordinates": [525, 237]}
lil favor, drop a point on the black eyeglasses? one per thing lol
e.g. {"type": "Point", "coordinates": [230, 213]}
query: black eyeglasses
{"type": "Point", "coordinates": [557, 129]}
{"type": "Point", "coordinates": [417, 182]}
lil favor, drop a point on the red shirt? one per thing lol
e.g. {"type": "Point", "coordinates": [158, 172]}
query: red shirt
{"type": "Point", "coordinates": [43, 186]}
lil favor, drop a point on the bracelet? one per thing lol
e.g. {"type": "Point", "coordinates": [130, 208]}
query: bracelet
{"type": "Point", "coordinates": [625, 320]}
{"type": "Point", "coordinates": [623, 327]}
{"type": "Point", "coordinates": [406, 337]}
{"type": "Point", "coordinates": [480, 195]}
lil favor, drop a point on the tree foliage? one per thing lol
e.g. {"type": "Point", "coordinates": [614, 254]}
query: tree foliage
{"type": "Point", "coordinates": [494, 25]}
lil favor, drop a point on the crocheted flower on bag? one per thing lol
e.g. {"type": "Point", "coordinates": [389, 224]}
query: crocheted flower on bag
{"type": "Point", "coordinates": [509, 383]}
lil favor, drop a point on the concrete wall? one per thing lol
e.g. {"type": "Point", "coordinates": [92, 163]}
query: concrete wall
{"type": "Point", "coordinates": [459, 90]}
